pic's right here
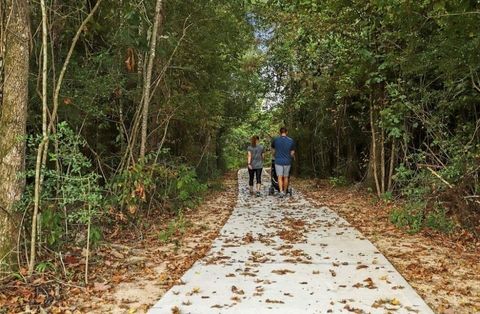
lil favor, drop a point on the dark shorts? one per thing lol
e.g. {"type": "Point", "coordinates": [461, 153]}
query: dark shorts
{"type": "Point", "coordinates": [252, 173]}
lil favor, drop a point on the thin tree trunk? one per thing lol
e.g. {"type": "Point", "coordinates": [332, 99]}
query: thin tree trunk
{"type": "Point", "coordinates": [382, 160]}
{"type": "Point", "coordinates": [392, 164]}
{"type": "Point", "coordinates": [87, 255]}
{"type": "Point", "coordinates": [13, 118]}
{"type": "Point", "coordinates": [43, 147]}
{"type": "Point", "coordinates": [374, 151]}
{"type": "Point", "coordinates": [41, 153]}
{"type": "Point", "coordinates": [148, 77]}
{"type": "Point", "coordinates": [337, 151]}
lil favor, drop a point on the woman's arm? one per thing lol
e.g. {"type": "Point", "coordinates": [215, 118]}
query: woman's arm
{"type": "Point", "coordinates": [249, 159]}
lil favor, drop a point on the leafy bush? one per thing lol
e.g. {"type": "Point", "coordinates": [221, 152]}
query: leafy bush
{"type": "Point", "coordinates": [338, 181]}
{"type": "Point", "coordinates": [166, 185]}
{"type": "Point", "coordinates": [387, 196]}
{"type": "Point", "coordinates": [410, 217]}
{"type": "Point", "coordinates": [188, 188]}
{"type": "Point", "coordinates": [438, 219]}
{"type": "Point", "coordinates": [412, 185]}
{"type": "Point", "coordinates": [71, 195]}
{"type": "Point", "coordinates": [415, 216]}
{"type": "Point", "coordinates": [56, 228]}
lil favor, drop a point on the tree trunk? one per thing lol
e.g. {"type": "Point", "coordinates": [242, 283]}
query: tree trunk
{"type": "Point", "coordinates": [392, 164]}
{"type": "Point", "coordinates": [41, 152]}
{"type": "Point", "coordinates": [13, 117]}
{"type": "Point", "coordinates": [373, 152]}
{"type": "Point", "coordinates": [382, 159]}
{"type": "Point", "coordinates": [148, 77]}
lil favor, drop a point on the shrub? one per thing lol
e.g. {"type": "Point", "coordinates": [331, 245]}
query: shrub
{"type": "Point", "coordinates": [415, 217]}
{"type": "Point", "coordinates": [164, 185]}
{"type": "Point", "coordinates": [338, 181]}
{"type": "Point", "coordinates": [438, 219]}
{"type": "Point", "coordinates": [410, 217]}
{"type": "Point", "coordinates": [71, 195]}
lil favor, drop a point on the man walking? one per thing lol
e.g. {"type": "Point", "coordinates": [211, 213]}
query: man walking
{"type": "Point", "coordinates": [283, 152]}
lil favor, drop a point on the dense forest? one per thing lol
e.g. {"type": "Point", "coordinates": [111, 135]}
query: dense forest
{"type": "Point", "coordinates": [113, 111]}
{"type": "Point", "coordinates": [119, 106]}
{"type": "Point", "coordinates": [386, 93]}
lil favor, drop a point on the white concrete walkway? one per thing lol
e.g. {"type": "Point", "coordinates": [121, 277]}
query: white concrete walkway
{"type": "Point", "coordinates": [286, 256]}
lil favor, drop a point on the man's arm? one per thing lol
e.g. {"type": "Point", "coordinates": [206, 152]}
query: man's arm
{"type": "Point", "coordinates": [292, 150]}
{"type": "Point", "coordinates": [273, 148]}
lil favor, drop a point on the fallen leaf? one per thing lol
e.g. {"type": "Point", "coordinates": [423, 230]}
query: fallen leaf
{"type": "Point", "coordinates": [98, 286]}
{"type": "Point", "coordinates": [282, 271]}
{"type": "Point", "coordinates": [394, 302]}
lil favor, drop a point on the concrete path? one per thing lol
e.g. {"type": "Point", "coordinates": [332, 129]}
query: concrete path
{"type": "Point", "coordinates": [286, 256]}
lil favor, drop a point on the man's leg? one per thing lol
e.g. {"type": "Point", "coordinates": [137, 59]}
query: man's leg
{"type": "Point", "coordinates": [279, 171]}
{"type": "Point", "coordinates": [287, 176]}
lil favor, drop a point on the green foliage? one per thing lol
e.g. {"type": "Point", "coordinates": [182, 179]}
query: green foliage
{"type": "Point", "coordinates": [407, 70]}
{"type": "Point", "coordinates": [175, 227]}
{"type": "Point", "coordinates": [410, 217]}
{"type": "Point", "coordinates": [71, 194]}
{"type": "Point", "coordinates": [44, 266]}
{"type": "Point", "coordinates": [53, 220]}
{"type": "Point", "coordinates": [387, 196]}
{"type": "Point", "coordinates": [188, 189]}
{"type": "Point", "coordinates": [415, 216]}
{"type": "Point", "coordinates": [260, 122]}
{"type": "Point", "coordinates": [338, 181]}
{"type": "Point", "coordinates": [413, 185]}
{"type": "Point", "coordinates": [165, 184]}
{"type": "Point", "coordinates": [438, 219]}
{"type": "Point", "coordinates": [95, 235]}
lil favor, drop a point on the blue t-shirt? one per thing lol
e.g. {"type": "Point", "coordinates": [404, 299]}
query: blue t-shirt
{"type": "Point", "coordinates": [283, 145]}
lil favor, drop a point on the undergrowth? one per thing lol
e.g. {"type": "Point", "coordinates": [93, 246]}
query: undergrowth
{"type": "Point", "coordinates": [416, 216]}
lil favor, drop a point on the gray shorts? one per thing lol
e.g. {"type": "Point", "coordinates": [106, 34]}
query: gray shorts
{"type": "Point", "coordinates": [282, 170]}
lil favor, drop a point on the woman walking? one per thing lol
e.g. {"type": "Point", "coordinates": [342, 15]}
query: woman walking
{"type": "Point", "coordinates": [255, 155]}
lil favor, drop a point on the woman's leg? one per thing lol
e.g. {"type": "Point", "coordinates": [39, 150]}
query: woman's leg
{"type": "Point", "coordinates": [251, 173]}
{"type": "Point", "coordinates": [259, 178]}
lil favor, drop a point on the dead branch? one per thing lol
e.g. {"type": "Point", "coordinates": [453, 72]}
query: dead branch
{"type": "Point", "coordinates": [436, 174]}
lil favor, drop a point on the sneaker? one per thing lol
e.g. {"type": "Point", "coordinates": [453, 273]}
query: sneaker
{"type": "Point", "coordinates": [281, 194]}
{"type": "Point", "coordinates": [258, 194]}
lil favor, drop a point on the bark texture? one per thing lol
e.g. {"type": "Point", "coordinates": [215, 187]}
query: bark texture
{"type": "Point", "coordinates": [148, 76]}
{"type": "Point", "coordinates": [13, 114]}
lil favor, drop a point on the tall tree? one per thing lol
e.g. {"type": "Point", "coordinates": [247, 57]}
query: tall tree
{"type": "Point", "coordinates": [148, 76]}
{"type": "Point", "coordinates": [13, 114]}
